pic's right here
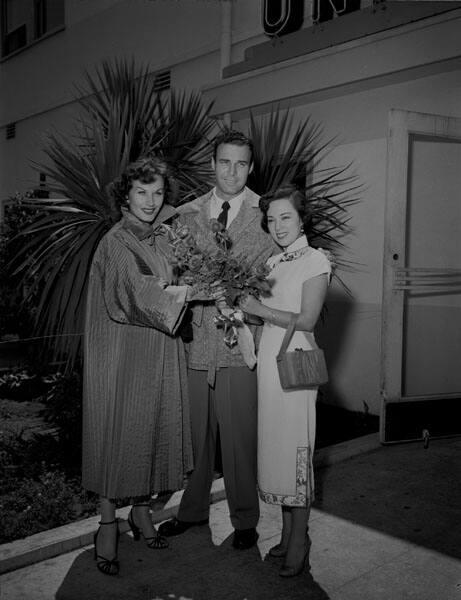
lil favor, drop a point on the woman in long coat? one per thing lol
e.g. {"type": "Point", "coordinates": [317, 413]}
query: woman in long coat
{"type": "Point", "coordinates": [136, 434]}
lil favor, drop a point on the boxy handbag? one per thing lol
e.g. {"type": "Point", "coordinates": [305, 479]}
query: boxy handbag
{"type": "Point", "coordinates": [300, 369]}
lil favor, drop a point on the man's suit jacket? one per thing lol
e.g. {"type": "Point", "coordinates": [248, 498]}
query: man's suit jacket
{"type": "Point", "coordinates": [207, 351]}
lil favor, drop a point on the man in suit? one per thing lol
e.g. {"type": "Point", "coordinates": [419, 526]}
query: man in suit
{"type": "Point", "coordinates": [222, 388]}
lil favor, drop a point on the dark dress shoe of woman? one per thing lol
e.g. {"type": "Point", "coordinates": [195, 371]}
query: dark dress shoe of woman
{"type": "Point", "coordinates": [175, 526]}
{"type": "Point", "coordinates": [277, 551]}
{"type": "Point", "coordinates": [245, 538]}
{"type": "Point", "coordinates": [106, 565]}
{"type": "Point", "coordinates": [292, 571]}
{"type": "Point", "coordinates": [156, 542]}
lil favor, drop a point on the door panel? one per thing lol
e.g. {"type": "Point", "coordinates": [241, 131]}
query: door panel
{"type": "Point", "coordinates": [421, 332]}
{"type": "Point", "coordinates": [432, 305]}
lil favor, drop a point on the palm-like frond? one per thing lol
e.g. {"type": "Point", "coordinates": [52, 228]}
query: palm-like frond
{"type": "Point", "coordinates": [122, 117]}
{"type": "Point", "coordinates": [80, 169]}
{"type": "Point", "coordinates": [59, 245]}
{"type": "Point", "coordinates": [124, 82]}
{"type": "Point", "coordinates": [186, 144]}
{"type": "Point", "coordinates": [281, 150]}
{"type": "Point", "coordinates": [285, 153]}
{"type": "Point", "coordinates": [175, 127]}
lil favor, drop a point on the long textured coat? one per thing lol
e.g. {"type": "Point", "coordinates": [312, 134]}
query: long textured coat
{"type": "Point", "coordinates": [136, 428]}
{"type": "Point", "coordinates": [207, 351]}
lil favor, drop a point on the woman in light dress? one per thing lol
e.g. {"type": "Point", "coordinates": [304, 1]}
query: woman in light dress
{"type": "Point", "coordinates": [286, 419]}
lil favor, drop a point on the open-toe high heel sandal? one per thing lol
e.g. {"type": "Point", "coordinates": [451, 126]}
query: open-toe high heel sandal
{"type": "Point", "coordinates": [156, 542]}
{"type": "Point", "coordinates": [106, 565]}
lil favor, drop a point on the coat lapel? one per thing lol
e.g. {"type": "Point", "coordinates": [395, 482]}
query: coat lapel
{"type": "Point", "coordinates": [200, 208]}
{"type": "Point", "coordinates": [248, 215]}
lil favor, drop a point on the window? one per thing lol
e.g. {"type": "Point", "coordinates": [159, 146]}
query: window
{"type": "Point", "coordinates": [24, 21]}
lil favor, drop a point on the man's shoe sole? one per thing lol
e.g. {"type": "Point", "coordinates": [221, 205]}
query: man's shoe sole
{"type": "Point", "coordinates": [172, 528]}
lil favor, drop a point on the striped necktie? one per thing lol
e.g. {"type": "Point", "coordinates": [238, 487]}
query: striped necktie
{"type": "Point", "coordinates": [222, 217]}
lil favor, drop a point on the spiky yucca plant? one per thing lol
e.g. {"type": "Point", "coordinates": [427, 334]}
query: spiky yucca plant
{"type": "Point", "coordinates": [176, 127]}
{"type": "Point", "coordinates": [288, 153]}
{"type": "Point", "coordinates": [122, 118]}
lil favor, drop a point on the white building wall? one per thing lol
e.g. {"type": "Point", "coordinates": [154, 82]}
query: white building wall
{"type": "Point", "coordinates": [38, 83]}
{"type": "Point", "coordinates": [184, 35]}
{"type": "Point", "coordinates": [351, 333]}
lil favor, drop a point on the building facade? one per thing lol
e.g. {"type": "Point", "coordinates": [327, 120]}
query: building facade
{"type": "Point", "coordinates": [384, 79]}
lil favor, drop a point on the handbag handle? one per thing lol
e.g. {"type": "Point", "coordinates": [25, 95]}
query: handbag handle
{"type": "Point", "coordinates": [289, 334]}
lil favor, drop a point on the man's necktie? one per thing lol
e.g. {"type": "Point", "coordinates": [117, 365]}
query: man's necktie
{"type": "Point", "coordinates": [222, 217]}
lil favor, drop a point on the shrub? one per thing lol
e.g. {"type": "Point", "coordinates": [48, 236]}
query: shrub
{"type": "Point", "coordinates": [22, 453]}
{"type": "Point", "coordinates": [21, 385]}
{"type": "Point", "coordinates": [24, 456]}
{"type": "Point", "coordinates": [15, 315]}
{"type": "Point", "coordinates": [35, 505]}
{"type": "Point", "coordinates": [63, 412]}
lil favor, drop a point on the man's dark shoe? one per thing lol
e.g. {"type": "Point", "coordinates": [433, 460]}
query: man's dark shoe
{"type": "Point", "coordinates": [175, 527]}
{"type": "Point", "coordinates": [245, 538]}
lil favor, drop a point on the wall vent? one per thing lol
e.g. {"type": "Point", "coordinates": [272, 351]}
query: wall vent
{"type": "Point", "coordinates": [10, 131]}
{"type": "Point", "coordinates": [162, 81]}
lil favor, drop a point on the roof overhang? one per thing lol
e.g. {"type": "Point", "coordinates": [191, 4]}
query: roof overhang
{"type": "Point", "coordinates": [361, 50]}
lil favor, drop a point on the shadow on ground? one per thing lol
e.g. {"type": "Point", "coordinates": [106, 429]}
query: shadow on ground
{"type": "Point", "coordinates": [193, 568]}
{"type": "Point", "coordinates": [404, 491]}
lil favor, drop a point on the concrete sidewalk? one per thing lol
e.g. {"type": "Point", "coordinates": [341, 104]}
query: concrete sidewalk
{"type": "Point", "coordinates": [386, 525]}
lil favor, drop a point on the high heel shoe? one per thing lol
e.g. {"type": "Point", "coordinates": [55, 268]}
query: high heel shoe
{"type": "Point", "coordinates": [156, 542]}
{"type": "Point", "coordinates": [292, 571]}
{"type": "Point", "coordinates": [288, 571]}
{"type": "Point", "coordinates": [277, 551]}
{"type": "Point", "coordinates": [105, 565]}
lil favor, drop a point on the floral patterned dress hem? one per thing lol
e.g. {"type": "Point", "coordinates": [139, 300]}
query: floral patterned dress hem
{"type": "Point", "coordinates": [304, 483]}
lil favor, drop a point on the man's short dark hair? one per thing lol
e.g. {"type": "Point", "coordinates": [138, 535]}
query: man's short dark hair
{"type": "Point", "coordinates": [231, 136]}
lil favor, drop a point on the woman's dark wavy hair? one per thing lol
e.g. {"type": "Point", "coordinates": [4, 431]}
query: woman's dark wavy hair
{"type": "Point", "coordinates": [146, 170]}
{"type": "Point", "coordinates": [297, 199]}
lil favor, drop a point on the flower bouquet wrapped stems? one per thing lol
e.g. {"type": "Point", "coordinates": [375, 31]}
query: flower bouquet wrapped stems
{"type": "Point", "coordinates": [219, 268]}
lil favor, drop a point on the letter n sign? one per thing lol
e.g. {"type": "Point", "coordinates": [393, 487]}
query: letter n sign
{"type": "Point", "coordinates": [282, 16]}
{"type": "Point", "coordinates": [324, 10]}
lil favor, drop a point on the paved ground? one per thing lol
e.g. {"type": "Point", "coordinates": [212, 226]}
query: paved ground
{"type": "Point", "coordinates": [386, 526]}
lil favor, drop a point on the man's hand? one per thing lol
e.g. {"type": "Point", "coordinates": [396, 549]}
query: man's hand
{"type": "Point", "coordinates": [197, 294]}
{"type": "Point", "coordinates": [249, 304]}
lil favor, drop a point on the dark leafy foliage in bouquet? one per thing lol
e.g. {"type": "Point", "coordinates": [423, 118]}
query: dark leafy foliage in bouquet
{"type": "Point", "coordinates": [204, 269]}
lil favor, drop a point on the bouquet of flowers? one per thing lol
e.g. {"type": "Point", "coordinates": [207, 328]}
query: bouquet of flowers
{"type": "Point", "coordinates": [205, 270]}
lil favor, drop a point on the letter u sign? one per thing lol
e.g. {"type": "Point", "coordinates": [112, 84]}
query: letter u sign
{"type": "Point", "coordinates": [282, 16]}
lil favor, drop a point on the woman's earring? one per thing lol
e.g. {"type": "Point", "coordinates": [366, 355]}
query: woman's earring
{"type": "Point", "coordinates": [302, 229]}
